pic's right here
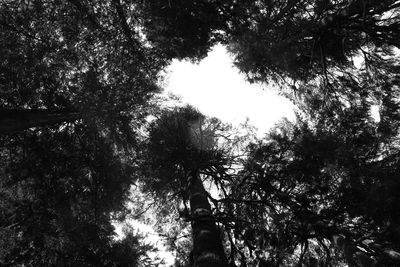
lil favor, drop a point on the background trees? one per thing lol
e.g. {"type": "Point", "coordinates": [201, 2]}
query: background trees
{"type": "Point", "coordinates": [60, 193]}
{"type": "Point", "coordinates": [79, 74]}
{"type": "Point", "coordinates": [76, 57]}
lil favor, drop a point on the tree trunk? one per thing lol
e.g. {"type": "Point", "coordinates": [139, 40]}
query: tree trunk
{"type": "Point", "coordinates": [13, 120]}
{"type": "Point", "coordinates": [207, 245]}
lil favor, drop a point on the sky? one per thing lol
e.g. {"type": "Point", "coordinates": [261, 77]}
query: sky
{"type": "Point", "coordinates": [216, 88]}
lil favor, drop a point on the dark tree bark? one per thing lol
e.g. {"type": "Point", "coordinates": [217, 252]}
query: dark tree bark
{"type": "Point", "coordinates": [207, 245]}
{"type": "Point", "coordinates": [14, 120]}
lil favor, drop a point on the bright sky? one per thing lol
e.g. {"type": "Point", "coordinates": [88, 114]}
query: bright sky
{"type": "Point", "coordinates": [216, 88]}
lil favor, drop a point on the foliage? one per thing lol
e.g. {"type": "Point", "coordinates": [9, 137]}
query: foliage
{"type": "Point", "coordinates": [62, 185]}
{"type": "Point", "coordinates": [324, 191]}
{"type": "Point", "coordinates": [185, 150]}
{"type": "Point", "coordinates": [60, 191]}
{"type": "Point", "coordinates": [321, 191]}
{"type": "Point", "coordinates": [290, 41]}
{"type": "Point", "coordinates": [180, 141]}
{"type": "Point", "coordinates": [300, 39]}
{"type": "Point", "coordinates": [182, 29]}
{"type": "Point", "coordinates": [80, 57]}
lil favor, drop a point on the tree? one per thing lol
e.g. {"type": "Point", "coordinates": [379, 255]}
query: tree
{"type": "Point", "coordinates": [305, 39]}
{"type": "Point", "coordinates": [13, 120]}
{"type": "Point", "coordinates": [323, 188]}
{"type": "Point", "coordinates": [182, 29]}
{"type": "Point", "coordinates": [182, 147]}
{"type": "Point", "coordinates": [61, 192]}
{"type": "Point", "coordinates": [80, 75]}
{"type": "Point", "coordinates": [285, 41]}
{"type": "Point", "coordinates": [72, 57]}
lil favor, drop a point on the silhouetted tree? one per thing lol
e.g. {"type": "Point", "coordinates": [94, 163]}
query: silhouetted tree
{"type": "Point", "coordinates": [182, 148]}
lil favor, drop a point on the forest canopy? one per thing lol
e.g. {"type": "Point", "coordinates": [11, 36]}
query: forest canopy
{"type": "Point", "coordinates": [84, 134]}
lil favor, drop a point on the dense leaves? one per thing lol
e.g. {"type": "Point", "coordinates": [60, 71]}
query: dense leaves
{"type": "Point", "coordinates": [77, 57]}
{"type": "Point", "coordinates": [180, 141]}
{"type": "Point", "coordinates": [182, 29]}
{"type": "Point", "coordinates": [59, 193]}
{"type": "Point", "coordinates": [80, 69]}
{"type": "Point", "coordinates": [301, 39]}
{"type": "Point", "coordinates": [281, 40]}
{"type": "Point", "coordinates": [315, 191]}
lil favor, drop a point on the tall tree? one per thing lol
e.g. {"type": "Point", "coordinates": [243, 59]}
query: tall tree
{"type": "Point", "coordinates": [182, 148]}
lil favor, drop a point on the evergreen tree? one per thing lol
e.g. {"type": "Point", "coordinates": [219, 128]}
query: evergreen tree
{"type": "Point", "coordinates": [182, 151]}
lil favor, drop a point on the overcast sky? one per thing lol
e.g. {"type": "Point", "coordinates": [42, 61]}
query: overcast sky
{"type": "Point", "coordinates": [216, 88]}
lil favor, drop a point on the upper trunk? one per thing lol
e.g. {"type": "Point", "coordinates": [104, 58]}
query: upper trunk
{"type": "Point", "coordinates": [207, 245]}
{"type": "Point", "coordinates": [13, 120]}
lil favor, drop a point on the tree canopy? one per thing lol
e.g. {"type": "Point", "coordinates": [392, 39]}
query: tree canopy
{"type": "Point", "coordinates": [76, 81]}
{"type": "Point", "coordinates": [79, 128]}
